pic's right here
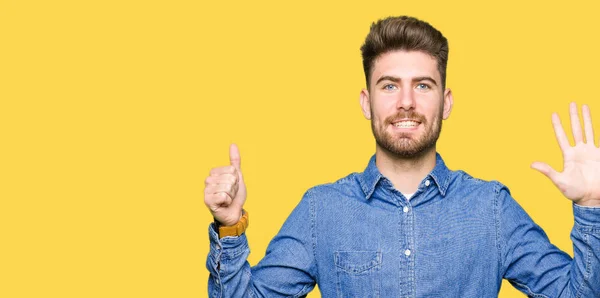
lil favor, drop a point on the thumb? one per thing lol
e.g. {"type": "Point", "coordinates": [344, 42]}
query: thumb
{"type": "Point", "coordinates": [234, 156]}
{"type": "Point", "coordinates": [547, 170]}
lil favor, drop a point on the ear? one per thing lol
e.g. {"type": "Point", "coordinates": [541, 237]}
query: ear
{"type": "Point", "coordinates": [365, 103]}
{"type": "Point", "coordinates": [448, 103]}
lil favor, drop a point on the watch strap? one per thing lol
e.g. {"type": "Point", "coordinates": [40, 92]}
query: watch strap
{"type": "Point", "coordinates": [235, 230]}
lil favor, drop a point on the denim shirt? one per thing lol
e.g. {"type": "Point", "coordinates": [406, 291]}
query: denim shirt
{"type": "Point", "coordinates": [458, 236]}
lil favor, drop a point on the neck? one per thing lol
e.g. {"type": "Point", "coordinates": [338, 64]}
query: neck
{"type": "Point", "coordinates": [405, 173]}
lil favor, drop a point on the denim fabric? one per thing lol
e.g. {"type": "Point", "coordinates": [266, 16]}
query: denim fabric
{"type": "Point", "coordinates": [457, 237]}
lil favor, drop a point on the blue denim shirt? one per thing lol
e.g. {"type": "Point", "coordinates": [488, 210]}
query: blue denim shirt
{"type": "Point", "coordinates": [458, 236]}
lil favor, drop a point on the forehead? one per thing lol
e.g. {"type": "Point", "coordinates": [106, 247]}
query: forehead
{"type": "Point", "coordinates": [405, 65]}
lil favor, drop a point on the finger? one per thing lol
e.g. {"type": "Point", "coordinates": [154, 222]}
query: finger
{"type": "Point", "coordinates": [222, 170]}
{"type": "Point", "coordinates": [575, 124]}
{"type": "Point", "coordinates": [587, 124]}
{"type": "Point", "coordinates": [221, 179]}
{"type": "Point", "coordinates": [217, 188]}
{"type": "Point", "coordinates": [547, 170]}
{"type": "Point", "coordinates": [234, 156]}
{"type": "Point", "coordinates": [561, 137]}
{"type": "Point", "coordinates": [214, 201]}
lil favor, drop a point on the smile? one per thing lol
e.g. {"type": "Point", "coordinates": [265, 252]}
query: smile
{"type": "Point", "coordinates": [406, 124]}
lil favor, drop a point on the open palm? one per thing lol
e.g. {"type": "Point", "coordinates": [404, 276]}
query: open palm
{"type": "Point", "coordinates": [580, 179]}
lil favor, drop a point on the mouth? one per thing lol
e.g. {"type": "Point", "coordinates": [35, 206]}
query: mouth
{"type": "Point", "coordinates": [406, 123]}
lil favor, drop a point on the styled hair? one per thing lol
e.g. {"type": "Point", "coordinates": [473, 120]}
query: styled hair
{"type": "Point", "coordinates": [404, 33]}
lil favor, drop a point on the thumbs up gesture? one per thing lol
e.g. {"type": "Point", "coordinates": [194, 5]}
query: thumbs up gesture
{"type": "Point", "coordinates": [225, 191]}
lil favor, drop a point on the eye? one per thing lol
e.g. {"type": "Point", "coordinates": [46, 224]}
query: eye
{"type": "Point", "coordinates": [389, 87]}
{"type": "Point", "coordinates": [423, 86]}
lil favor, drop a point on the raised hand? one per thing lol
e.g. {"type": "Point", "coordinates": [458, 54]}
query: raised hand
{"type": "Point", "coordinates": [580, 179]}
{"type": "Point", "coordinates": [225, 191]}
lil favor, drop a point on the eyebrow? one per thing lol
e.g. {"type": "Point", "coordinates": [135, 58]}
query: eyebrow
{"type": "Point", "coordinates": [416, 79]}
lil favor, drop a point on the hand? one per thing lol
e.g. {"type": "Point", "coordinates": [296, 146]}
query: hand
{"type": "Point", "coordinates": [225, 191]}
{"type": "Point", "coordinates": [580, 179]}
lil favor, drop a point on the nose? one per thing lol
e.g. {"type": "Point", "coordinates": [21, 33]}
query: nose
{"type": "Point", "coordinates": [406, 99]}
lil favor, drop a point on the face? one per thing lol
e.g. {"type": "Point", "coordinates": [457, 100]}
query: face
{"type": "Point", "coordinates": [406, 103]}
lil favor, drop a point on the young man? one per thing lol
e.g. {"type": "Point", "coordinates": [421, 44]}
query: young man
{"type": "Point", "coordinates": [408, 226]}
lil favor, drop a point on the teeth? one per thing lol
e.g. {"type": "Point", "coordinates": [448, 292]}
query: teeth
{"type": "Point", "coordinates": [406, 124]}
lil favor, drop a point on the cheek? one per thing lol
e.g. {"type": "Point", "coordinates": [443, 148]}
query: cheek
{"type": "Point", "coordinates": [383, 109]}
{"type": "Point", "coordinates": [379, 116]}
{"type": "Point", "coordinates": [431, 108]}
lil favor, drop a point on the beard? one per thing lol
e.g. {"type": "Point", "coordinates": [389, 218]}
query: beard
{"type": "Point", "coordinates": [405, 145]}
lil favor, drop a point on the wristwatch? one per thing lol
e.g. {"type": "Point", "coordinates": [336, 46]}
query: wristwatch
{"type": "Point", "coordinates": [236, 230]}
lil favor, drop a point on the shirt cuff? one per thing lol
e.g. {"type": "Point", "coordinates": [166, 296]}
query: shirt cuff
{"type": "Point", "coordinates": [228, 247]}
{"type": "Point", "coordinates": [586, 216]}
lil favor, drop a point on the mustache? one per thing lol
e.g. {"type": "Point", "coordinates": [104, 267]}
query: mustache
{"type": "Point", "coordinates": [412, 115]}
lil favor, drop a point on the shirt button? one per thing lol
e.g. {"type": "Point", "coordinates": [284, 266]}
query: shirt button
{"type": "Point", "coordinates": [216, 281]}
{"type": "Point", "coordinates": [407, 252]}
{"type": "Point", "coordinates": [405, 209]}
{"type": "Point", "coordinates": [427, 182]}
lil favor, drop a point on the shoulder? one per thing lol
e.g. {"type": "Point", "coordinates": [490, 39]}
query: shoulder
{"type": "Point", "coordinates": [345, 187]}
{"type": "Point", "coordinates": [464, 184]}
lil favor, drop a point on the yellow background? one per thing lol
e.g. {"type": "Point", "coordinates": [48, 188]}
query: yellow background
{"type": "Point", "coordinates": [113, 112]}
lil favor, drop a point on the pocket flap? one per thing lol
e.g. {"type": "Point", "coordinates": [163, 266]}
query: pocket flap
{"type": "Point", "coordinates": [357, 261]}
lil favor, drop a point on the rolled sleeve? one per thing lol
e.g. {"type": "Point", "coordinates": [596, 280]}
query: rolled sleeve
{"type": "Point", "coordinates": [586, 244]}
{"type": "Point", "coordinates": [587, 216]}
{"type": "Point", "coordinates": [226, 263]}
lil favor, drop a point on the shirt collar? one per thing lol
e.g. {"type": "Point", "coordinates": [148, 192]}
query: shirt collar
{"type": "Point", "coordinates": [370, 177]}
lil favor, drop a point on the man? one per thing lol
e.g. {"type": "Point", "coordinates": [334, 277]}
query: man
{"type": "Point", "coordinates": [408, 226]}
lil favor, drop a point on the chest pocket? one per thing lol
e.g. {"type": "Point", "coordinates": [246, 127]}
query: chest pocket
{"type": "Point", "coordinates": [358, 273]}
